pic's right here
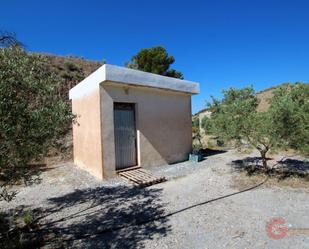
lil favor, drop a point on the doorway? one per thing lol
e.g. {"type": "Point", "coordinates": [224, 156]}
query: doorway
{"type": "Point", "coordinates": [125, 135]}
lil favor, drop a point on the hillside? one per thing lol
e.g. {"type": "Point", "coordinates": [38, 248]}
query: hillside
{"type": "Point", "coordinates": [71, 70]}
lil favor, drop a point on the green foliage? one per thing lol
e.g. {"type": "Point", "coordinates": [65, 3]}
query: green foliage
{"type": "Point", "coordinates": [290, 111]}
{"type": "Point", "coordinates": [210, 144]}
{"type": "Point", "coordinates": [154, 60]}
{"type": "Point", "coordinates": [17, 227]}
{"type": "Point", "coordinates": [196, 132]}
{"type": "Point", "coordinates": [232, 115]}
{"type": "Point", "coordinates": [195, 125]}
{"type": "Point", "coordinates": [284, 125]}
{"type": "Point", "coordinates": [207, 124]}
{"type": "Point", "coordinates": [31, 112]}
{"type": "Point", "coordinates": [196, 148]}
{"type": "Point", "coordinates": [71, 66]}
{"type": "Point", "coordinates": [28, 217]}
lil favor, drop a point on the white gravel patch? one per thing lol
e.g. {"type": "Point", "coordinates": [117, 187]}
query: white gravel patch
{"type": "Point", "coordinates": [112, 214]}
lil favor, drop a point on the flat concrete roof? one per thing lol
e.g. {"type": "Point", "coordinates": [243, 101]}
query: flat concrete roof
{"type": "Point", "coordinates": [133, 77]}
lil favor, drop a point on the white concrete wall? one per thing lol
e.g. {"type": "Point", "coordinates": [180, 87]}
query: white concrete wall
{"type": "Point", "coordinates": [163, 121]}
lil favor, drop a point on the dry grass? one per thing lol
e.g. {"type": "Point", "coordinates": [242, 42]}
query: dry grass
{"type": "Point", "coordinates": [242, 180]}
{"type": "Point", "coordinates": [71, 69]}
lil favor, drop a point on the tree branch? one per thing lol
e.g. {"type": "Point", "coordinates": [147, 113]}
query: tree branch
{"type": "Point", "coordinates": [8, 39]}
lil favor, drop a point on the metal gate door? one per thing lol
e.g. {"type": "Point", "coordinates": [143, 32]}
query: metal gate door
{"type": "Point", "coordinates": [125, 135]}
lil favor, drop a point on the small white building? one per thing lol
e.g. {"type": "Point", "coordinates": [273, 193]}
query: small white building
{"type": "Point", "coordinates": [128, 118]}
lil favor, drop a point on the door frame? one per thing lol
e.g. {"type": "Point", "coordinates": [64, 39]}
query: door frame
{"type": "Point", "coordinates": [135, 135]}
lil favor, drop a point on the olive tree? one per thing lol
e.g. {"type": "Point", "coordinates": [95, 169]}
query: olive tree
{"type": "Point", "coordinates": [32, 115]}
{"type": "Point", "coordinates": [290, 112]}
{"type": "Point", "coordinates": [235, 118]}
{"type": "Point", "coordinates": [285, 124]}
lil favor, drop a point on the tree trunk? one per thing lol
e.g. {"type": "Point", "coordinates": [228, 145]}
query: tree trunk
{"type": "Point", "coordinates": [264, 160]}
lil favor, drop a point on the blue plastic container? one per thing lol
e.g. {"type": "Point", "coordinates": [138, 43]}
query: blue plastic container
{"type": "Point", "coordinates": [195, 158]}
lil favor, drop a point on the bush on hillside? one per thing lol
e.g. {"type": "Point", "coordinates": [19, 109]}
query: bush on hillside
{"type": "Point", "coordinates": [71, 66]}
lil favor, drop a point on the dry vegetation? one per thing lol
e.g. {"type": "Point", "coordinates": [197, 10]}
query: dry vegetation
{"type": "Point", "coordinates": [242, 180]}
{"type": "Point", "coordinates": [72, 70]}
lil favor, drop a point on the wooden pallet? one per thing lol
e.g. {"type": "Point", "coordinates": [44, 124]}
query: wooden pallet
{"type": "Point", "coordinates": [141, 177]}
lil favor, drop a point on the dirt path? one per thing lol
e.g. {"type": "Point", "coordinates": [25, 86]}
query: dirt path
{"type": "Point", "coordinates": [183, 212]}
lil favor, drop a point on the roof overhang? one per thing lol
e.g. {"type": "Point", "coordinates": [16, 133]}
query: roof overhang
{"type": "Point", "coordinates": [132, 77]}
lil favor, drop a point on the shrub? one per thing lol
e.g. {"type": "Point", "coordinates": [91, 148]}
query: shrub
{"type": "Point", "coordinates": [71, 66]}
{"type": "Point", "coordinates": [290, 111]}
{"type": "Point", "coordinates": [28, 217]}
{"type": "Point", "coordinates": [32, 115]}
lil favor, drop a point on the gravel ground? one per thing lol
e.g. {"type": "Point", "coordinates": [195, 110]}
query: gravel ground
{"type": "Point", "coordinates": [183, 212]}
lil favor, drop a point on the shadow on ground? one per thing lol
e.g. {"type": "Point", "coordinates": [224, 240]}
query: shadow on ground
{"type": "Point", "coordinates": [211, 152]}
{"type": "Point", "coordinates": [103, 217]}
{"type": "Point", "coordinates": [282, 169]}
{"type": "Point", "coordinates": [32, 173]}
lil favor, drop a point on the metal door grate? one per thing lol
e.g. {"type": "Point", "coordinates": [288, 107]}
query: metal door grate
{"type": "Point", "coordinates": [125, 135]}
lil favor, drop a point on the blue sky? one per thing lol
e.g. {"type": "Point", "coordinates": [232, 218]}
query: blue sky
{"type": "Point", "coordinates": [219, 44]}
